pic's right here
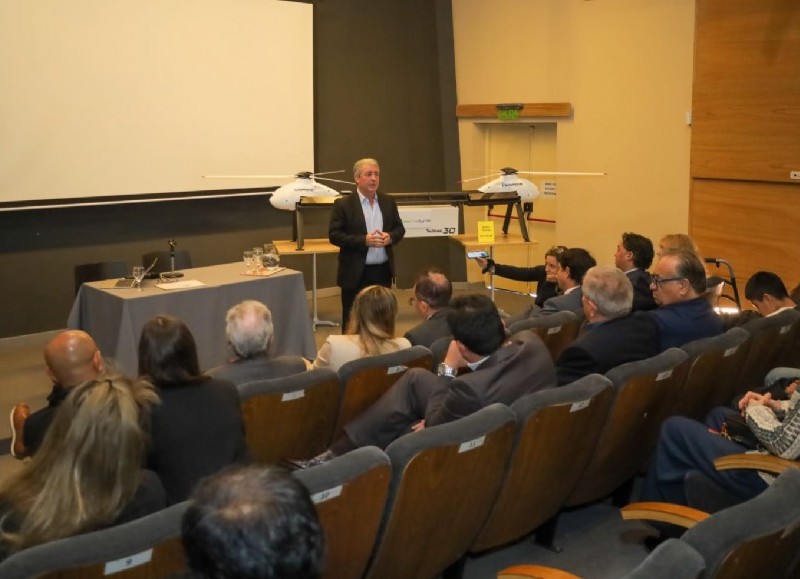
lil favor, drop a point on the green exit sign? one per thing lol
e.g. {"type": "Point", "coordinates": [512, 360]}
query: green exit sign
{"type": "Point", "coordinates": [509, 112]}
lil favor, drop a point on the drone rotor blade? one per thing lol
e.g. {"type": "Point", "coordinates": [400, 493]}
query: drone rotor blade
{"type": "Point", "coordinates": [332, 180]}
{"type": "Point", "coordinates": [329, 172]}
{"type": "Point", "coordinates": [562, 173]}
{"type": "Point", "coordinates": [482, 177]}
{"type": "Point", "coordinates": [248, 176]}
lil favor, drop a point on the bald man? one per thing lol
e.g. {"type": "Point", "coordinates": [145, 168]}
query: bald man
{"type": "Point", "coordinates": [432, 293]}
{"type": "Point", "coordinates": [72, 358]}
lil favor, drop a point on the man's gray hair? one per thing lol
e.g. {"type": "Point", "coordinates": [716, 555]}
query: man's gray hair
{"type": "Point", "coordinates": [610, 290]}
{"type": "Point", "coordinates": [361, 163]}
{"type": "Point", "coordinates": [249, 329]}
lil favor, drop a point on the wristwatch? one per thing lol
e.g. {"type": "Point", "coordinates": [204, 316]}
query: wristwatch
{"type": "Point", "coordinates": [445, 370]}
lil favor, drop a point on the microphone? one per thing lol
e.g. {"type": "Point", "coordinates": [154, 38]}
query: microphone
{"type": "Point", "coordinates": [172, 274]}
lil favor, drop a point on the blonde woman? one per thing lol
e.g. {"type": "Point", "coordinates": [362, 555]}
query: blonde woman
{"type": "Point", "coordinates": [370, 331]}
{"type": "Point", "coordinates": [88, 472]}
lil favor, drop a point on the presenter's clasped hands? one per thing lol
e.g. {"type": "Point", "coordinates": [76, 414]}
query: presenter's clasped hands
{"type": "Point", "coordinates": [378, 239]}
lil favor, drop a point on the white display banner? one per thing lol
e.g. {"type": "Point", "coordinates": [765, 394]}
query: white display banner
{"type": "Point", "coordinates": [429, 220]}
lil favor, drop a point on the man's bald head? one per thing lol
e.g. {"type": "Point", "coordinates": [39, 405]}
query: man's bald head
{"type": "Point", "coordinates": [72, 358]}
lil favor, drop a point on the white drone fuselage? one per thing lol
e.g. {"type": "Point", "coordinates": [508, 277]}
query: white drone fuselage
{"type": "Point", "coordinates": [286, 197]}
{"type": "Point", "coordinates": [526, 190]}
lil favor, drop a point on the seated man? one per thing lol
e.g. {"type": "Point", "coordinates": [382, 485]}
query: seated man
{"type": "Point", "coordinates": [634, 256]}
{"type": "Point", "coordinates": [687, 445]}
{"type": "Point", "coordinates": [72, 358]}
{"type": "Point", "coordinates": [252, 523]}
{"type": "Point", "coordinates": [611, 335]}
{"type": "Point", "coordinates": [502, 371]}
{"type": "Point", "coordinates": [573, 264]}
{"type": "Point", "coordinates": [766, 291]}
{"type": "Point", "coordinates": [249, 332]}
{"type": "Point", "coordinates": [432, 293]}
{"type": "Point", "coordinates": [684, 314]}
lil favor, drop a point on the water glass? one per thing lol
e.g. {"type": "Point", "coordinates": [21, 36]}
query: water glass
{"type": "Point", "coordinates": [138, 276]}
{"type": "Point", "coordinates": [272, 258]}
{"type": "Point", "coordinates": [248, 259]}
{"type": "Point", "coordinates": [258, 257]}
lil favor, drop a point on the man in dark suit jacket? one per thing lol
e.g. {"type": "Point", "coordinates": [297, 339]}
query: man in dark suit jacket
{"type": "Point", "coordinates": [364, 226]}
{"type": "Point", "coordinates": [432, 293]}
{"type": "Point", "coordinates": [249, 331]}
{"type": "Point", "coordinates": [634, 256]}
{"type": "Point", "coordinates": [501, 371]}
{"type": "Point", "coordinates": [612, 335]}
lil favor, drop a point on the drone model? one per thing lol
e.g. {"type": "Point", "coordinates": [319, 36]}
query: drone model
{"type": "Point", "coordinates": [287, 196]}
{"type": "Point", "coordinates": [509, 180]}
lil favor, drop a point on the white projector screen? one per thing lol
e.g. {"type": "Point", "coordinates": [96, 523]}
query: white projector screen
{"type": "Point", "coordinates": [133, 97]}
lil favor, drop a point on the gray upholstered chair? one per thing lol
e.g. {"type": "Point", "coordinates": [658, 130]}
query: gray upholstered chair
{"type": "Point", "coordinates": [551, 425]}
{"type": "Point", "coordinates": [350, 495]}
{"type": "Point", "coordinates": [714, 367]}
{"type": "Point", "coordinates": [645, 392]}
{"type": "Point", "coordinates": [99, 271]}
{"type": "Point", "coordinates": [770, 338]}
{"type": "Point", "coordinates": [144, 548]}
{"type": "Point", "coordinates": [183, 260]}
{"type": "Point", "coordinates": [444, 482]}
{"type": "Point", "coordinates": [366, 379]}
{"type": "Point", "coordinates": [557, 330]}
{"type": "Point", "coordinates": [291, 417]}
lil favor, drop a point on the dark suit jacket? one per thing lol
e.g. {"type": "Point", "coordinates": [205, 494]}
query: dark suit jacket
{"type": "Point", "coordinates": [196, 430]}
{"type": "Point", "coordinates": [430, 330]}
{"type": "Point", "coordinates": [244, 371]}
{"type": "Point", "coordinates": [37, 423]}
{"type": "Point", "coordinates": [348, 232]}
{"type": "Point", "coordinates": [642, 296]}
{"type": "Point", "coordinates": [684, 322]}
{"type": "Point", "coordinates": [605, 345]}
{"type": "Point", "coordinates": [544, 289]}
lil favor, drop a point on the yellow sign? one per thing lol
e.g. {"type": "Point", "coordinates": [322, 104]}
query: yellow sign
{"type": "Point", "coordinates": [485, 231]}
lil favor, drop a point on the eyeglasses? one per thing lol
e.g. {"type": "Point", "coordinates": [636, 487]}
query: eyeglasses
{"type": "Point", "coordinates": [657, 280]}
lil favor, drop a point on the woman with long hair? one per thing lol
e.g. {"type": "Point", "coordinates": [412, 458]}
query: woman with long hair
{"type": "Point", "coordinates": [198, 428]}
{"type": "Point", "coordinates": [370, 331]}
{"type": "Point", "coordinates": [88, 472]}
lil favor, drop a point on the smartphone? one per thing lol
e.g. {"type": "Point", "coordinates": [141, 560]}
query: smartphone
{"type": "Point", "coordinates": [474, 254]}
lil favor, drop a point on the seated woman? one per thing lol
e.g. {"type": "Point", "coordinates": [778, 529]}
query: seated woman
{"type": "Point", "coordinates": [88, 472]}
{"type": "Point", "coordinates": [370, 331]}
{"type": "Point", "coordinates": [545, 275]}
{"type": "Point", "coordinates": [198, 427]}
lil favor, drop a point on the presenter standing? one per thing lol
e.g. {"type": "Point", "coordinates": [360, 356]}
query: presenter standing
{"type": "Point", "coordinates": [364, 226]}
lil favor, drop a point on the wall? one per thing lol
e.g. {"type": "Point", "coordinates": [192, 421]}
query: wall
{"type": "Point", "coordinates": [384, 87]}
{"type": "Point", "coordinates": [626, 67]}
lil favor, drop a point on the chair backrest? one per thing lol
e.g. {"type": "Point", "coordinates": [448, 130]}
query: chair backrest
{"type": "Point", "coordinates": [714, 367]}
{"type": "Point", "coordinates": [98, 271]}
{"type": "Point", "coordinates": [145, 548]}
{"type": "Point", "coordinates": [644, 394]}
{"type": "Point", "coordinates": [366, 379]}
{"type": "Point", "coordinates": [769, 338]}
{"type": "Point", "coordinates": [291, 417]}
{"type": "Point", "coordinates": [758, 538]}
{"type": "Point", "coordinates": [182, 260]}
{"type": "Point", "coordinates": [444, 482]}
{"type": "Point", "coordinates": [350, 495]}
{"type": "Point", "coordinates": [557, 330]}
{"type": "Point", "coordinates": [556, 432]}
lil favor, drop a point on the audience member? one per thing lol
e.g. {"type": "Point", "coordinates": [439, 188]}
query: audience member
{"type": "Point", "coordinates": [365, 226]}
{"type": "Point", "coordinates": [72, 358]}
{"type": "Point", "coordinates": [683, 315]}
{"type": "Point", "coordinates": [765, 290]}
{"type": "Point", "coordinates": [611, 335]}
{"type": "Point", "coordinates": [198, 427]}
{"type": "Point", "coordinates": [544, 275]}
{"type": "Point", "coordinates": [249, 331]}
{"type": "Point", "coordinates": [253, 523]}
{"type": "Point", "coordinates": [678, 241]}
{"type": "Point", "coordinates": [432, 293]}
{"type": "Point", "coordinates": [687, 445]}
{"type": "Point", "coordinates": [87, 474]}
{"type": "Point", "coordinates": [369, 333]}
{"type": "Point", "coordinates": [634, 256]}
{"type": "Point", "coordinates": [501, 371]}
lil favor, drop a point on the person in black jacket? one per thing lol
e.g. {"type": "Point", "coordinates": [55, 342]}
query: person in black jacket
{"type": "Point", "coordinates": [634, 256]}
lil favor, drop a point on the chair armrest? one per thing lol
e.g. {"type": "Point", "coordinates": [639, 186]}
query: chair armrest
{"type": "Point", "coordinates": [685, 517]}
{"type": "Point", "coordinates": [762, 462]}
{"type": "Point", "coordinates": [534, 572]}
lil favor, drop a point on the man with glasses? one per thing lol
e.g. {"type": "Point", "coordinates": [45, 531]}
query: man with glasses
{"type": "Point", "coordinates": [684, 314]}
{"type": "Point", "coordinates": [432, 293]}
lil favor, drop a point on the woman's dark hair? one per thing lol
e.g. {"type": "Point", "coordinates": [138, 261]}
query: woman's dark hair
{"type": "Point", "coordinates": [167, 352]}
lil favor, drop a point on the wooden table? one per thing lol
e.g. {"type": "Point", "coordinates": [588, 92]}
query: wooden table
{"type": "Point", "coordinates": [470, 242]}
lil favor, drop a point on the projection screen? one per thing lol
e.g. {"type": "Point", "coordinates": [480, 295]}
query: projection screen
{"type": "Point", "coordinates": [106, 98]}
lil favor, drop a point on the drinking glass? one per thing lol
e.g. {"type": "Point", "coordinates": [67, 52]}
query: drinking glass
{"type": "Point", "coordinates": [258, 257]}
{"type": "Point", "coordinates": [248, 260]}
{"type": "Point", "coordinates": [272, 258]}
{"type": "Point", "coordinates": [138, 276]}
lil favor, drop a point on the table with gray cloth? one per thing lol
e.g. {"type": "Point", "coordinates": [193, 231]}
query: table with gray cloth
{"type": "Point", "coordinates": [115, 317]}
